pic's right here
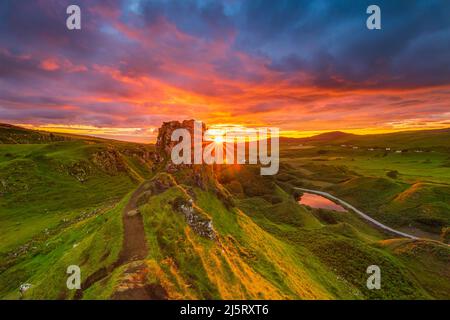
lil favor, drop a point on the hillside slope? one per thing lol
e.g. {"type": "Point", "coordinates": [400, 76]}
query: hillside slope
{"type": "Point", "coordinates": [404, 139]}
{"type": "Point", "coordinates": [203, 232]}
{"type": "Point", "coordinates": [50, 188]}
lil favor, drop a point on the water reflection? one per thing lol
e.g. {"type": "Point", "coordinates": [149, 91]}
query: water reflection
{"type": "Point", "coordinates": [319, 202]}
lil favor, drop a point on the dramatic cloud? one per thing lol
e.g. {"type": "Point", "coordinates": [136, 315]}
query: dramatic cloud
{"type": "Point", "coordinates": [299, 65]}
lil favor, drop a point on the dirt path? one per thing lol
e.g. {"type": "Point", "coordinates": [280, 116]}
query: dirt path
{"type": "Point", "coordinates": [133, 285]}
{"type": "Point", "coordinates": [134, 250]}
{"type": "Point", "coordinates": [134, 245]}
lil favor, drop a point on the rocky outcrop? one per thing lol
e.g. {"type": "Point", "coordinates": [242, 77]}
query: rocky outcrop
{"type": "Point", "coordinates": [141, 154]}
{"type": "Point", "coordinates": [164, 143]}
{"type": "Point", "coordinates": [109, 160]}
{"type": "Point", "coordinates": [201, 176]}
{"type": "Point", "coordinates": [161, 183]}
{"type": "Point", "coordinates": [196, 218]}
{"type": "Point", "coordinates": [134, 284]}
{"type": "Point", "coordinates": [79, 170]}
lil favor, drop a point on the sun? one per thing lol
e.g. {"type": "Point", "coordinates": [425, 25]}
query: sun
{"type": "Point", "coordinates": [218, 139]}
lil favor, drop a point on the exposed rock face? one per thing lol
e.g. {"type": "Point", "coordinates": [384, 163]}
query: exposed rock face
{"type": "Point", "coordinates": [201, 176]}
{"type": "Point", "coordinates": [195, 217]}
{"type": "Point", "coordinates": [141, 154]}
{"type": "Point", "coordinates": [134, 286]}
{"type": "Point", "coordinates": [24, 288]}
{"type": "Point", "coordinates": [164, 143]}
{"type": "Point", "coordinates": [80, 171]}
{"type": "Point", "coordinates": [161, 183]}
{"type": "Point", "coordinates": [188, 175]}
{"type": "Point", "coordinates": [110, 161]}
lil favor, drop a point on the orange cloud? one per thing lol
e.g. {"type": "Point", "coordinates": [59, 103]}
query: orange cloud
{"type": "Point", "coordinates": [49, 65]}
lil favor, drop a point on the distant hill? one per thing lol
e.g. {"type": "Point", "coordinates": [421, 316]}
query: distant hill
{"type": "Point", "coordinates": [10, 134]}
{"type": "Point", "coordinates": [410, 139]}
{"type": "Point", "coordinates": [330, 136]}
{"type": "Point", "coordinates": [403, 139]}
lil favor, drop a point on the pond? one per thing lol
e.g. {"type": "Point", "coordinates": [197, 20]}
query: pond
{"type": "Point", "coordinates": [319, 202]}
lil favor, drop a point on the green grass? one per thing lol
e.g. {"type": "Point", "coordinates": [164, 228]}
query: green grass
{"type": "Point", "coordinates": [430, 166]}
{"type": "Point", "coordinates": [39, 187]}
{"type": "Point", "coordinates": [360, 176]}
{"type": "Point", "coordinates": [428, 261]}
{"type": "Point", "coordinates": [91, 244]}
{"type": "Point", "coordinates": [247, 262]}
{"type": "Point", "coordinates": [57, 194]}
{"type": "Point", "coordinates": [62, 197]}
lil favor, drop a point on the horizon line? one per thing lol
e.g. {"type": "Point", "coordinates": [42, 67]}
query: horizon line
{"type": "Point", "coordinates": [123, 134]}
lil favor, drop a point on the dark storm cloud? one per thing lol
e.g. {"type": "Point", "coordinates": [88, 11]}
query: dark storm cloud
{"type": "Point", "coordinates": [329, 40]}
{"type": "Point", "coordinates": [326, 39]}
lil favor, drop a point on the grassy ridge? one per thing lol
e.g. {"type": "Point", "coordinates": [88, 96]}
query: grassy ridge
{"type": "Point", "coordinates": [57, 194]}
{"type": "Point", "coordinates": [40, 185]}
{"type": "Point", "coordinates": [277, 250]}
{"type": "Point", "coordinates": [245, 263]}
{"type": "Point", "coordinates": [62, 198]}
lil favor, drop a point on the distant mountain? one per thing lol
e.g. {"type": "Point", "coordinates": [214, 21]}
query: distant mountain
{"type": "Point", "coordinates": [330, 136]}
{"type": "Point", "coordinates": [403, 139]}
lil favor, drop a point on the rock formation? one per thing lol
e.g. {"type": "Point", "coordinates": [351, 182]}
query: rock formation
{"type": "Point", "coordinates": [196, 218]}
{"type": "Point", "coordinates": [164, 143]}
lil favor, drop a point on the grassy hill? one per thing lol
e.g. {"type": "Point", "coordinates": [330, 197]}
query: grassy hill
{"type": "Point", "coordinates": [50, 184]}
{"type": "Point", "coordinates": [403, 139]}
{"type": "Point", "coordinates": [402, 178]}
{"type": "Point", "coordinates": [208, 232]}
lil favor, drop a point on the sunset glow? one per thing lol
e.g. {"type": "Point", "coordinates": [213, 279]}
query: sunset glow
{"type": "Point", "coordinates": [239, 158]}
{"type": "Point", "coordinates": [136, 64]}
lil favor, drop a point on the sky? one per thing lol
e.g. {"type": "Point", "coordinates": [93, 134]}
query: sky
{"type": "Point", "coordinates": [302, 66]}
